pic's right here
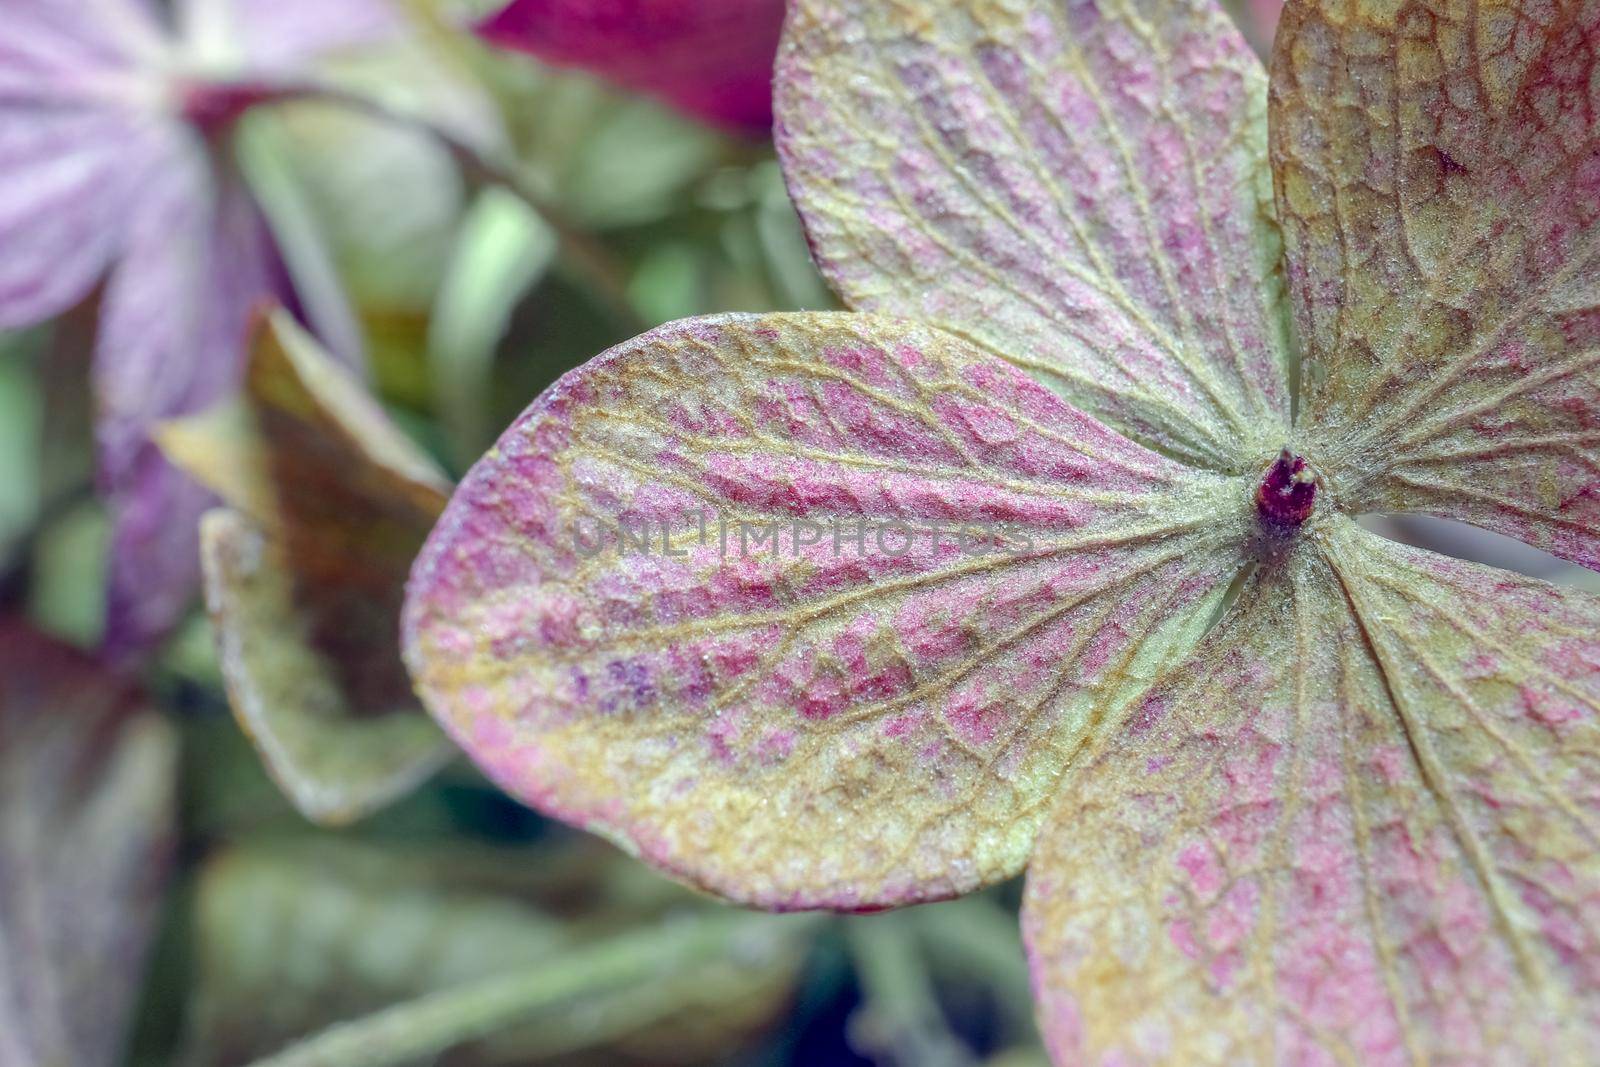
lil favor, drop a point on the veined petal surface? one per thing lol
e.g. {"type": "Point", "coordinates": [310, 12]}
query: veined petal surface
{"type": "Point", "coordinates": [1438, 177]}
{"type": "Point", "coordinates": [1080, 187]}
{"type": "Point", "coordinates": [1358, 827]}
{"type": "Point", "coordinates": [781, 712]}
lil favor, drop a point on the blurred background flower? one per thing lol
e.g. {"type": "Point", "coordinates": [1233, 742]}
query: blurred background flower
{"type": "Point", "coordinates": [712, 58]}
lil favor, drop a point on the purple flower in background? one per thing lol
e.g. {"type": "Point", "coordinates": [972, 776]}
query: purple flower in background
{"type": "Point", "coordinates": [709, 58]}
{"type": "Point", "coordinates": [112, 124]}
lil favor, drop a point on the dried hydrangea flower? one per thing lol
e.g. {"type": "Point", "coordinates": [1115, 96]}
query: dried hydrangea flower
{"type": "Point", "coordinates": [709, 58]}
{"type": "Point", "coordinates": [108, 172]}
{"type": "Point", "coordinates": [1346, 814]}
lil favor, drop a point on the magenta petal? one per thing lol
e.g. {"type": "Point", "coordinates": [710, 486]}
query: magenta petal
{"type": "Point", "coordinates": [711, 58]}
{"type": "Point", "coordinates": [171, 343]}
{"type": "Point", "coordinates": [63, 196]}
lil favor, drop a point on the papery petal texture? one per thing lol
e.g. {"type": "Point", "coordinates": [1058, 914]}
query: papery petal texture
{"type": "Point", "coordinates": [87, 778]}
{"type": "Point", "coordinates": [1078, 187]}
{"type": "Point", "coordinates": [820, 701]}
{"type": "Point", "coordinates": [1359, 827]}
{"type": "Point", "coordinates": [1438, 177]}
{"type": "Point", "coordinates": [711, 58]}
{"type": "Point", "coordinates": [172, 334]}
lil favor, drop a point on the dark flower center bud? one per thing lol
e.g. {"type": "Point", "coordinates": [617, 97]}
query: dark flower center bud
{"type": "Point", "coordinates": [1288, 491]}
{"type": "Point", "coordinates": [213, 107]}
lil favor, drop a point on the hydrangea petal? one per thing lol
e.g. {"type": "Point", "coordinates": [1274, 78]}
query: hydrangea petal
{"type": "Point", "coordinates": [800, 724]}
{"type": "Point", "coordinates": [86, 794]}
{"type": "Point", "coordinates": [304, 587]}
{"type": "Point", "coordinates": [711, 58]}
{"type": "Point", "coordinates": [172, 336]}
{"type": "Point", "coordinates": [1360, 826]}
{"type": "Point", "coordinates": [1079, 187]}
{"type": "Point", "coordinates": [69, 146]}
{"type": "Point", "coordinates": [1438, 175]}
{"type": "Point", "coordinates": [52, 50]}
{"type": "Point", "coordinates": [338, 748]}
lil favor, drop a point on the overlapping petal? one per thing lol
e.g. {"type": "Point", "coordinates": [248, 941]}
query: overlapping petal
{"type": "Point", "coordinates": [1359, 827]}
{"type": "Point", "coordinates": [711, 58]}
{"type": "Point", "coordinates": [172, 331]}
{"type": "Point", "coordinates": [819, 701]}
{"type": "Point", "coordinates": [1438, 174]}
{"type": "Point", "coordinates": [304, 581]}
{"type": "Point", "coordinates": [86, 793]}
{"type": "Point", "coordinates": [1078, 187]}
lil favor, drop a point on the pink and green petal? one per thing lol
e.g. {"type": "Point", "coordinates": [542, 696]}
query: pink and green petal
{"type": "Point", "coordinates": [87, 778]}
{"type": "Point", "coordinates": [789, 723]}
{"type": "Point", "coordinates": [1438, 177]}
{"type": "Point", "coordinates": [1359, 826]}
{"type": "Point", "coordinates": [710, 58]}
{"type": "Point", "coordinates": [1080, 188]}
{"type": "Point", "coordinates": [304, 586]}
